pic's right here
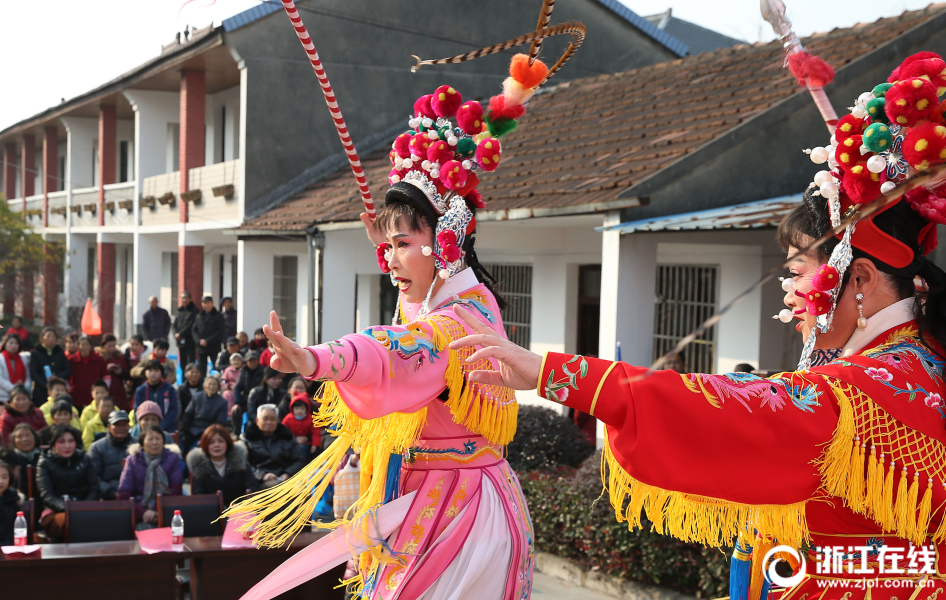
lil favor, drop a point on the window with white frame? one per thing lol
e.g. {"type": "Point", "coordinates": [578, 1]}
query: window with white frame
{"type": "Point", "coordinates": [686, 296]}
{"type": "Point", "coordinates": [514, 283]}
{"type": "Point", "coordinates": [285, 277]}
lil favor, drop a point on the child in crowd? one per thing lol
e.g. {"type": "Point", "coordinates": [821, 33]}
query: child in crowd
{"type": "Point", "coordinates": [99, 390]}
{"type": "Point", "coordinates": [16, 328]}
{"type": "Point", "coordinates": [160, 354]}
{"type": "Point", "coordinates": [299, 422]}
{"type": "Point", "coordinates": [56, 388]}
{"type": "Point", "coordinates": [230, 377]}
{"type": "Point", "coordinates": [62, 413]}
{"type": "Point", "coordinates": [10, 502]}
{"type": "Point", "coordinates": [97, 426]}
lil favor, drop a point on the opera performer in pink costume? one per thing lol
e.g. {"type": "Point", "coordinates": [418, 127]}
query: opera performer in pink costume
{"type": "Point", "coordinates": [442, 515]}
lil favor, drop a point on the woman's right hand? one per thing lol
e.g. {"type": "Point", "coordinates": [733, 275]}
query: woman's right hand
{"type": "Point", "coordinates": [150, 517]}
{"type": "Point", "coordinates": [519, 368]}
{"type": "Point", "coordinates": [375, 236]}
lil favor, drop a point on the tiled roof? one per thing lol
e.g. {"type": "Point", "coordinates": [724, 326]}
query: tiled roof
{"type": "Point", "coordinates": [587, 140]}
{"type": "Point", "coordinates": [697, 39]}
{"type": "Point", "coordinates": [751, 215]}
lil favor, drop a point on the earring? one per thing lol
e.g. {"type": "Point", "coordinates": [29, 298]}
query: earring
{"type": "Point", "coordinates": [861, 320]}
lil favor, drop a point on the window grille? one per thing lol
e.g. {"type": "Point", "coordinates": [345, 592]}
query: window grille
{"type": "Point", "coordinates": [686, 296]}
{"type": "Point", "coordinates": [515, 285]}
{"type": "Point", "coordinates": [285, 274]}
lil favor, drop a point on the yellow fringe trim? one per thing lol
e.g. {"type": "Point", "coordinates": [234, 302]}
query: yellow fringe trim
{"type": "Point", "coordinates": [884, 514]}
{"type": "Point", "coordinates": [757, 576]}
{"type": "Point", "coordinates": [691, 518]}
{"type": "Point", "coordinates": [926, 506]}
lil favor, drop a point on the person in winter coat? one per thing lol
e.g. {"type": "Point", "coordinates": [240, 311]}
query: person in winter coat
{"type": "Point", "coordinates": [223, 357]}
{"type": "Point", "coordinates": [296, 386]}
{"type": "Point", "coordinates": [19, 409]}
{"type": "Point", "coordinates": [25, 442]}
{"type": "Point", "coordinates": [50, 354]}
{"type": "Point", "coordinates": [162, 393]}
{"type": "Point", "coordinates": [218, 464]}
{"type": "Point", "coordinates": [207, 408]}
{"type": "Point", "coordinates": [156, 322]}
{"type": "Point", "coordinates": [57, 392]}
{"type": "Point", "coordinates": [299, 422]}
{"type": "Point", "coordinates": [97, 426]}
{"type": "Point", "coordinates": [273, 453]}
{"type": "Point", "coordinates": [229, 317]}
{"type": "Point", "coordinates": [87, 368]}
{"type": "Point", "coordinates": [14, 366]}
{"type": "Point", "coordinates": [64, 469]}
{"type": "Point", "coordinates": [99, 391]}
{"type": "Point", "coordinates": [118, 370]}
{"type": "Point", "coordinates": [267, 392]}
{"type": "Point", "coordinates": [230, 377]}
{"type": "Point", "coordinates": [108, 453]}
{"type": "Point", "coordinates": [208, 333]}
{"type": "Point", "coordinates": [251, 375]}
{"type": "Point", "coordinates": [152, 468]}
{"type": "Point", "coordinates": [149, 413]}
{"type": "Point", "coordinates": [136, 352]}
{"type": "Point", "coordinates": [192, 385]}
{"type": "Point", "coordinates": [17, 329]}
{"type": "Point", "coordinates": [10, 502]}
{"type": "Point", "coordinates": [259, 342]}
{"type": "Point", "coordinates": [184, 328]}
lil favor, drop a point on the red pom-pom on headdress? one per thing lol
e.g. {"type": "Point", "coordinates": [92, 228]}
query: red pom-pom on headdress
{"type": "Point", "coordinates": [382, 261]}
{"type": "Point", "coordinates": [498, 109]}
{"type": "Point", "coordinates": [402, 145]}
{"type": "Point", "coordinates": [860, 184]}
{"type": "Point", "coordinates": [826, 279]}
{"type": "Point", "coordinates": [527, 75]}
{"type": "Point", "coordinates": [445, 101]}
{"type": "Point", "coordinates": [488, 154]}
{"type": "Point", "coordinates": [422, 107]}
{"type": "Point", "coordinates": [447, 240]}
{"type": "Point", "coordinates": [470, 117]}
{"type": "Point", "coordinates": [927, 204]}
{"type": "Point", "coordinates": [818, 303]}
{"type": "Point", "coordinates": [910, 100]}
{"type": "Point", "coordinates": [810, 70]}
{"type": "Point", "coordinates": [925, 145]}
{"type": "Point", "coordinates": [849, 125]}
{"type": "Point", "coordinates": [848, 153]}
{"type": "Point", "coordinates": [453, 175]}
{"type": "Point", "coordinates": [419, 144]}
{"type": "Point", "coordinates": [929, 64]}
{"type": "Point", "coordinates": [475, 199]}
{"type": "Point", "coordinates": [440, 152]}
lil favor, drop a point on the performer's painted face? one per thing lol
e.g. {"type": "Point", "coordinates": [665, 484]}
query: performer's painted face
{"type": "Point", "coordinates": [413, 271]}
{"type": "Point", "coordinates": [802, 270]}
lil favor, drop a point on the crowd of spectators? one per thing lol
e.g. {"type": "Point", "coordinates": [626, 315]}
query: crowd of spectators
{"type": "Point", "coordinates": [90, 419]}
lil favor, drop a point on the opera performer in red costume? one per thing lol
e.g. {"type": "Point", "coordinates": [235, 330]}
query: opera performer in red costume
{"type": "Point", "coordinates": [844, 459]}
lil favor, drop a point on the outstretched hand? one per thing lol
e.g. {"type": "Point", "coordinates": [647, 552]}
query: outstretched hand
{"type": "Point", "coordinates": [376, 237]}
{"type": "Point", "coordinates": [519, 368]}
{"type": "Point", "coordinates": [288, 357]}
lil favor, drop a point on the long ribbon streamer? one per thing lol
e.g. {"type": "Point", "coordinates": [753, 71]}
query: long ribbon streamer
{"type": "Point", "coordinates": [332, 103]}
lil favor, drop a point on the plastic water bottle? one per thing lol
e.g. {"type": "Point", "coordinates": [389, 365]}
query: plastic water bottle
{"type": "Point", "coordinates": [177, 530]}
{"type": "Point", "coordinates": [47, 371]}
{"type": "Point", "coordinates": [19, 530]}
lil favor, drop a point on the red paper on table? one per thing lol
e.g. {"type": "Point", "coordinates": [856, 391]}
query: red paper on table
{"type": "Point", "coordinates": [233, 538]}
{"type": "Point", "coordinates": [16, 552]}
{"type": "Point", "coordinates": [91, 323]}
{"type": "Point", "coordinates": [156, 540]}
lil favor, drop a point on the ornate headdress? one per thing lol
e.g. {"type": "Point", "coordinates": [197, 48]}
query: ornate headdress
{"type": "Point", "coordinates": [893, 131]}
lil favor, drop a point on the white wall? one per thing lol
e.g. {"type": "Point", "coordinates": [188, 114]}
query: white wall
{"type": "Point", "coordinates": [80, 143]}
{"type": "Point", "coordinates": [152, 272]}
{"type": "Point", "coordinates": [255, 288]}
{"type": "Point", "coordinates": [217, 128]}
{"type": "Point", "coordinates": [153, 111]}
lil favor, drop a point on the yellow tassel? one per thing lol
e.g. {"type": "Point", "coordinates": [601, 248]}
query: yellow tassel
{"type": "Point", "coordinates": [923, 520]}
{"type": "Point", "coordinates": [835, 465]}
{"type": "Point", "coordinates": [708, 521]}
{"type": "Point", "coordinates": [759, 550]}
{"type": "Point", "coordinates": [855, 486]}
{"type": "Point", "coordinates": [908, 528]}
{"type": "Point", "coordinates": [902, 505]}
{"type": "Point", "coordinates": [940, 535]}
{"type": "Point", "coordinates": [888, 517]}
{"type": "Point", "coordinates": [875, 482]}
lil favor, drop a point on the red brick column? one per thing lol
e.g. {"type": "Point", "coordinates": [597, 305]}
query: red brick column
{"type": "Point", "coordinates": [9, 295]}
{"type": "Point", "coordinates": [50, 168]}
{"type": "Point", "coordinates": [193, 88]}
{"type": "Point", "coordinates": [107, 142]}
{"type": "Point", "coordinates": [28, 168]}
{"type": "Point", "coordinates": [50, 286]}
{"type": "Point", "coordinates": [106, 275]}
{"type": "Point", "coordinates": [9, 171]}
{"type": "Point", "coordinates": [26, 295]}
{"type": "Point", "coordinates": [190, 271]}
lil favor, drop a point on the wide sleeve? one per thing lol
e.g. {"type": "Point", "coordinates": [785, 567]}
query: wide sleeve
{"type": "Point", "coordinates": [736, 441]}
{"type": "Point", "coordinates": [383, 370]}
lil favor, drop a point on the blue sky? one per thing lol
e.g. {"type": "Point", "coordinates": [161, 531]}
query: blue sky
{"type": "Point", "coordinates": [69, 47]}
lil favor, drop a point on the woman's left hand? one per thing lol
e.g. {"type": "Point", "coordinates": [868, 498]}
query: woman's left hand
{"type": "Point", "coordinates": [519, 368]}
{"type": "Point", "coordinates": [288, 357]}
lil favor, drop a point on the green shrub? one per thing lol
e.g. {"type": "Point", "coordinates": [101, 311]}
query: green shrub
{"type": "Point", "coordinates": [569, 523]}
{"type": "Point", "coordinates": [545, 440]}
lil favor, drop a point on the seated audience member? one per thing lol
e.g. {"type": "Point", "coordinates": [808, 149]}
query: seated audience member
{"type": "Point", "coordinates": [147, 414]}
{"type": "Point", "coordinates": [274, 455]}
{"type": "Point", "coordinates": [118, 370]}
{"type": "Point", "coordinates": [64, 469]}
{"type": "Point", "coordinates": [97, 426]}
{"type": "Point", "coordinates": [220, 464]}
{"type": "Point", "coordinates": [223, 357]}
{"type": "Point", "coordinates": [14, 366]}
{"type": "Point", "coordinates": [135, 352]}
{"type": "Point", "coordinates": [88, 367]}
{"type": "Point", "coordinates": [160, 354]}
{"type": "Point", "coordinates": [259, 341]}
{"type": "Point", "coordinates": [108, 453]}
{"type": "Point", "coordinates": [10, 502]}
{"type": "Point", "coordinates": [17, 329]}
{"type": "Point", "coordinates": [251, 375]}
{"type": "Point", "coordinates": [207, 408]}
{"type": "Point", "coordinates": [18, 410]}
{"type": "Point", "coordinates": [57, 391]}
{"type": "Point", "coordinates": [267, 354]}
{"type": "Point", "coordinates": [63, 413]}
{"type": "Point", "coordinates": [267, 392]}
{"type": "Point", "coordinates": [299, 422]}
{"type": "Point", "coordinates": [156, 390]}
{"type": "Point", "coordinates": [296, 386]}
{"type": "Point", "coordinates": [244, 343]}
{"type": "Point", "coordinates": [152, 468]}
{"type": "Point", "coordinates": [192, 385]}
{"type": "Point", "coordinates": [26, 450]}
{"type": "Point", "coordinates": [99, 390]}
{"type": "Point", "coordinates": [230, 377]}
{"type": "Point", "coordinates": [70, 343]}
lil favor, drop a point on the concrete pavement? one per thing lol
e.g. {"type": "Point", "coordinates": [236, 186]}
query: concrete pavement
{"type": "Point", "coordinates": [546, 587]}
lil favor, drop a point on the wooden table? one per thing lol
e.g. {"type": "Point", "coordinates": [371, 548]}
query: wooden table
{"type": "Point", "coordinates": [93, 571]}
{"type": "Point", "coordinates": [228, 573]}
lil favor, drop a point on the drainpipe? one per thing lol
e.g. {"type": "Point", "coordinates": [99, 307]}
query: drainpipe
{"type": "Point", "coordinates": [315, 240]}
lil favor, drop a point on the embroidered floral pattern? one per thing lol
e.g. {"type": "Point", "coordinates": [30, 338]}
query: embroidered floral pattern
{"type": "Point", "coordinates": [745, 387]}
{"type": "Point", "coordinates": [903, 344]}
{"type": "Point", "coordinates": [411, 346]}
{"type": "Point", "coordinates": [336, 361]}
{"type": "Point", "coordinates": [934, 400]}
{"type": "Point", "coordinates": [557, 389]}
{"type": "Point", "coordinates": [879, 374]}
